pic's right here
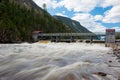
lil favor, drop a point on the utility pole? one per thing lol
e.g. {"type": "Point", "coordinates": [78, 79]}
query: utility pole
{"type": "Point", "coordinates": [44, 6]}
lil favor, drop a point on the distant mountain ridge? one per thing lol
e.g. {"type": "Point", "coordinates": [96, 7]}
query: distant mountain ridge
{"type": "Point", "coordinates": [74, 25]}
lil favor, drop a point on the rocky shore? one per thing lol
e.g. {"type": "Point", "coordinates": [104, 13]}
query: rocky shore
{"type": "Point", "coordinates": [116, 50]}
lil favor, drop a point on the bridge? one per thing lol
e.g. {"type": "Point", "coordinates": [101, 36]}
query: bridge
{"type": "Point", "coordinates": [66, 36]}
{"type": "Point", "coordinates": [72, 34]}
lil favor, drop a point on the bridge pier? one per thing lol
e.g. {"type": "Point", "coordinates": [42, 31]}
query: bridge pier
{"type": "Point", "coordinates": [35, 37]}
{"type": "Point", "coordinates": [57, 39]}
{"type": "Point", "coordinates": [51, 38]}
{"type": "Point", "coordinates": [91, 39]}
{"type": "Point", "coordinates": [71, 39]}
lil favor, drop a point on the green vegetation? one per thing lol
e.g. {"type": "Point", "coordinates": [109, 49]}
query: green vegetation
{"type": "Point", "coordinates": [118, 35]}
{"type": "Point", "coordinates": [74, 25]}
{"type": "Point", "coordinates": [17, 22]}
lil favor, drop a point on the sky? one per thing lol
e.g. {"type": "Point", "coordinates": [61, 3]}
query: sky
{"type": "Point", "coordinates": [95, 15]}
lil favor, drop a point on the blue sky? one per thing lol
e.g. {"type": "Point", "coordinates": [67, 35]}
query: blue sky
{"type": "Point", "coordinates": [95, 15]}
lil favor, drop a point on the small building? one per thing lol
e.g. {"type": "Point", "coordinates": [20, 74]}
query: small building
{"type": "Point", "coordinates": [110, 36]}
{"type": "Point", "coordinates": [35, 35]}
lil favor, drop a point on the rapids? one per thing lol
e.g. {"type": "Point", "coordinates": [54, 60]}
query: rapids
{"type": "Point", "coordinates": [58, 61]}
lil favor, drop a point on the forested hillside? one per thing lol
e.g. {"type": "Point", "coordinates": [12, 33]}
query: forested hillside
{"type": "Point", "coordinates": [74, 25]}
{"type": "Point", "coordinates": [117, 35]}
{"type": "Point", "coordinates": [17, 21]}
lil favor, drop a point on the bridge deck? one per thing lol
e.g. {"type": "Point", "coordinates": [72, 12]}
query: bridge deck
{"type": "Point", "coordinates": [72, 34]}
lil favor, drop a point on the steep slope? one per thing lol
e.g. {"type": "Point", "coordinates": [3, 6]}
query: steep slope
{"type": "Point", "coordinates": [74, 25]}
{"type": "Point", "coordinates": [18, 18]}
{"type": "Point", "coordinates": [27, 3]}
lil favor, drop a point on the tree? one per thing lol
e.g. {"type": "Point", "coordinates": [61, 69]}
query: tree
{"type": "Point", "coordinates": [118, 35]}
{"type": "Point", "coordinates": [18, 22]}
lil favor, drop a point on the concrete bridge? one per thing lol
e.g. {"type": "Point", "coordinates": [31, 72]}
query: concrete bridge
{"type": "Point", "coordinates": [70, 36]}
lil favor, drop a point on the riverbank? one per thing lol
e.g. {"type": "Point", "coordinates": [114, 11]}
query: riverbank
{"type": "Point", "coordinates": [116, 49]}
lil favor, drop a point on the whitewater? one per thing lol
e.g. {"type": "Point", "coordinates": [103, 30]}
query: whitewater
{"type": "Point", "coordinates": [58, 61]}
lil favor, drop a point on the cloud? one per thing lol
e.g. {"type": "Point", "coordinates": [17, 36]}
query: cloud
{"type": "Point", "coordinates": [89, 21]}
{"type": "Point", "coordinates": [98, 17]}
{"type": "Point", "coordinates": [106, 3]}
{"type": "Point", "coordinates": [82, 8]}
{"type": "Point", "coordinates": [116, 28]}
{"type": "Point", "coordinates": [113, 15]}
{"type": "Point", "coordinates": [61, 14]}
{"type": "Point", "coordinates": [79, 5]}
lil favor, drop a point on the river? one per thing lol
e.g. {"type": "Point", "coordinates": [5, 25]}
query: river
{"type": "Point", "coordinates": [58, 61]}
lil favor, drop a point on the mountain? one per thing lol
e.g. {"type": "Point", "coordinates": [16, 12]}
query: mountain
{"type": "Point", "coordinates": [74, 25]}
{"type": "Point", "coordinates": [30, 4]}
{"type": "Point", "coordinates": [19, 18]}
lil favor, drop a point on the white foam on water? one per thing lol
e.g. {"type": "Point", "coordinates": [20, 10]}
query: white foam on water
{"type": "Point", "coordinates": [57, 61]}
